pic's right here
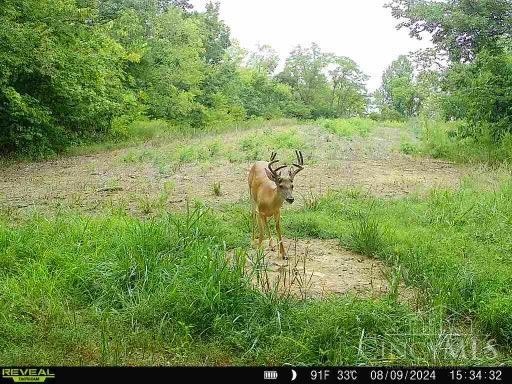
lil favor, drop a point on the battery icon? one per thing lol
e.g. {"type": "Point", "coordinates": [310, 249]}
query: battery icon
{"type": "Point", "coordinates": [270, 375]}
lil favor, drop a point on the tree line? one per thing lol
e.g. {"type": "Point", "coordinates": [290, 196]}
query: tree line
{"type": "Point", "coordinates": [73, 70]}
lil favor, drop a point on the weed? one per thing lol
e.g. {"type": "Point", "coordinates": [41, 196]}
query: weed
{"type": "Point", "coordinates": [169, 186]}
{"type": "Point", "coordinates": [216, 188]}
{"type": "Point", "coordinates": [408, 148]}
{"type": "Point", "coordinates": [312, 200]}
{"type": "Point", "coordinates": [366, 236]}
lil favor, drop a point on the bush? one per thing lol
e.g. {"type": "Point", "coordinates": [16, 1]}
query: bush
{"type": "Point", "coordinates": [447, 140]}
{"type": "Point", "coordinates": [479, 92]}
{"type": "Point", "coordinates": [56, 85]}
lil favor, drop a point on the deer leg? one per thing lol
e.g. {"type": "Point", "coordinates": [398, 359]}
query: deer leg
{"type": "Point", "coordinates": [277, 218]}
{"type": "Point", "coordinates": [254, 218]}
{"type": "Point", "coordinates": [261, 224]}
{"type": "Point", "coordinates": [270, 239]}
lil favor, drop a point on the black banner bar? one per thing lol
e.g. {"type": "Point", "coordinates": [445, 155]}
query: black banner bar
{"type": "Point", "coordinates": [247, 375]}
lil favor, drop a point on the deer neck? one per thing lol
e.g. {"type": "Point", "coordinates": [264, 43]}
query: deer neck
{"type": "Point", "coordinates": [278, 199]}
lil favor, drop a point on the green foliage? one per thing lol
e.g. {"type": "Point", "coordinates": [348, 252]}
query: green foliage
{"type": "Point", "coordinates": [59, 76]}
{"type": "Point", "coordinates": [263, 96]}
{"type": "Point", "coordinates": [216, 188]}
{"type": "Point", "coordinates": [408, 148]}
{"type": "Point", "coordinates": [327, 85]}
{"type": "Point", "coordinates": [349, 95]}
{"type": "Point", "coordinates": [397, 98]}
{"type": "Point", "coordinates": [142, 130]}
{"type": "Point", "coordinates": [460, 27]}
{"type": "Point", "coordinates": [264, 60]}
{"type": "Point", "coordinates": [349, 127]}
{"type": "Point", "coordinates": [259, 146]}
{"type": "Point", "coordinates": [476, 84]}
{"type": "Point", "coordinates": [82, 73]}
{"type": "Point", "coordinates": [173, 70]}
{"type": "Point", "coordinates": [366, 236]}
{"type": "Point", "coordinates": [441, 139]}
{"type": "Point", "coordinates": [481, 94]}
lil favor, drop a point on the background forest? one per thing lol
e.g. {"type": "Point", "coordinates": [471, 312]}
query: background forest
{"type": "Point", "coordinates": [74, 71]}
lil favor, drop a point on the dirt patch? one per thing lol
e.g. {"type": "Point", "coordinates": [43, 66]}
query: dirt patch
{"type": "Point", "coordinates": [319, 268]}
{"type": "Point", "coordinates": [90, 182]}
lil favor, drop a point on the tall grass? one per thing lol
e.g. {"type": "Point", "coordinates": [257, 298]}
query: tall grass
{"type": "Point", "coordinates": [443, 140]}
{"type": "Point", "coordinates": [455, 246]}
{"type": "Point", "coordinates": [259, 145]}
{"type": "Point", "coordinates": [126, 134]}
{"type": "Point", "coordinates": [112, 289]}
{"type": "Point", "coordinates": [354, 126]}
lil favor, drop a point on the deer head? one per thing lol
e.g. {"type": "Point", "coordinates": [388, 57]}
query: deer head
{"type": "Point", "coordinates": [284, 179]}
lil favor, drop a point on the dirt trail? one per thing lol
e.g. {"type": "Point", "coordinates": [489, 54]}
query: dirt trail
{"type": "Point", "coordinates": [371, 164]}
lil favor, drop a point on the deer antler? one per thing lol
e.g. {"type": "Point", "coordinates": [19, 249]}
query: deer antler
{"type": "Point", "coordinates": [272, 162]}
{"type": "Point", "coordinates": [299, 165]}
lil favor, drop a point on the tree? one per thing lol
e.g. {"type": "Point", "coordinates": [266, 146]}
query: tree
{"type": "Point", "coordinates": [221, 84]}
{"type": "Point", "coordinates": [349, 94]}
{"type": "Point", "coordinates": [481, 94]}
{"type": "Point", "coordinates": [147, 9]}
{"type": "Point", "coordinates": [304, 72]}
{"type": "Point", "coordinates": [326, 84]}
{"type": "Point", "coordinates": [462, 28]}
{"type": "Point", "coordinates": [476, 36]}
{"type": "Point", "coordinates": [59, 76]}
{"type": "Point", "coordinates": [265, 59]}
{"type": "Point", "coordinates": [216, 34]}
{"type": "Point", "coordinates": [173, 68]}
{"type": "Point", "coordinates": [398, 95]}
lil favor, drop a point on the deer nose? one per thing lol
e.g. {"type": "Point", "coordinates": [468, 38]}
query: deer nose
{"type": "Point", "coordinates": [290, 200]}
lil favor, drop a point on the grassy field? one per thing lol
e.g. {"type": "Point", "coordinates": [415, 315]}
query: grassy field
{"type": "Point", "coordinates": [165, 286]}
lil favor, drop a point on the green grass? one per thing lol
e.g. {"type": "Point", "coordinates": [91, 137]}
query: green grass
{"type": "Point", "coordinates": [394, 124]}
{"type": "Point", "coordinates": [111, 289]}
{"type": "Point", "coordinates": [439, 139]}
{"type": "Point", "coordinates": [171, 158]}
{"type": "Point", "coordinates": [253, 146]}
{"type": "Point", "coordinates": [174, 288]}
{"type": "Point", "coordinates": [354, 126]}
{"type": "Point", "coordinates": [128, 134]}
{"type": "Point", "coordinates": [259, 145]}
{"type": "Point", "coordinates": [454, 246]}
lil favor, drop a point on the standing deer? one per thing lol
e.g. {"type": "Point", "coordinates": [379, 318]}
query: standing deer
{"type": "Point", "coordinates": [269, 188]}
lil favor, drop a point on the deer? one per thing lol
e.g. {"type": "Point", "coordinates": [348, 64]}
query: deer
{"type": "Point", "coordinates": [269, 188]}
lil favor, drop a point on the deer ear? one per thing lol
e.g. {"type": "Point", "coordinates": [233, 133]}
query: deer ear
{"type": "Point", "coordinates": [269, 174]}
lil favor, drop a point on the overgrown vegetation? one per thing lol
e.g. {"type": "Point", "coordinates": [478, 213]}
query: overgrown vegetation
{"type": "Point", "coordinates": [453, 245]}
{"type": "Point", "coordinates": [349, 127]}
{"type": "Point", "coordinates": [113, 289]}
{"type": "Point", "coordinates": [444, 140]}
{"type": "Point", "coordinates": [108, 287]}
{"type": "Point", "coordinates": [466, 76]}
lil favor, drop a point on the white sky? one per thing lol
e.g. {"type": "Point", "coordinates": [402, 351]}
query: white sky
{"type": "Point", "coordinates": [360, 29]}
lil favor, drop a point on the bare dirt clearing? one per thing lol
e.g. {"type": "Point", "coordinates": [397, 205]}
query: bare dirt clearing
{"type": "Point", "coordinates": [88, 182]}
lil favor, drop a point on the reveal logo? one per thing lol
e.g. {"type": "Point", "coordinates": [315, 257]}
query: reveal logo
{"type": "Point", "coordinates": [27, 375]}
